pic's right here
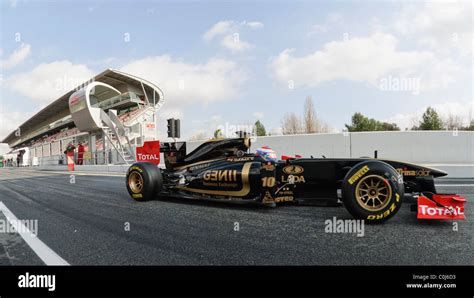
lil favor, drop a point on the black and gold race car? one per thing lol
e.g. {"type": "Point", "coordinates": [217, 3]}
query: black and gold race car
{"type": "Point", "coordinates": [224, 170]}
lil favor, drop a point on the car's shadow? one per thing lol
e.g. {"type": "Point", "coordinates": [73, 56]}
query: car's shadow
{"type": "Point", "coordinates": [244, 206]}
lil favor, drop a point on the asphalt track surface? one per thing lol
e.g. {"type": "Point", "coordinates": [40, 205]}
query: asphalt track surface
{"type": "Point", "coordinates": [94, 222]}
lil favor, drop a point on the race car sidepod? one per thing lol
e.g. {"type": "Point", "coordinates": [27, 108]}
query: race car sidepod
{"type": "Point", "coordinates": [440, 206]}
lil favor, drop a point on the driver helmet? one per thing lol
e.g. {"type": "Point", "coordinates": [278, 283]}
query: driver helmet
{"type": "Point", "coordinates": [266, 153]}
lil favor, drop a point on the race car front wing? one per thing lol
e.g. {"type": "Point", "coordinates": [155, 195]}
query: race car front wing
{"type": "Point", "coordinates": [440, 206]}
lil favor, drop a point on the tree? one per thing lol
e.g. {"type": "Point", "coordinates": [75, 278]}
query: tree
{"type": "Point", "coordinates": [291, 124]}
{"type": "Point", "coordinates": [362, 123]}
{"type": "Point", "coordinates": [431, 120]}
{"type": "Point", "coordinates": [389, 126]}
{"type": "Point", "coordinates": [218, 134]}
{"type": "Point", "coordinates": [309, 116]}
{"type": "Point", "coordinates": [323, 127]}
{"type": "Point", "coordinates": [453, 122]}
{"type": "Point", "coordinates": [259, 129]}
{"type": "Point", "coordinates": [311, 122]}
{"type": "Point", "coordinates": [470, 127]}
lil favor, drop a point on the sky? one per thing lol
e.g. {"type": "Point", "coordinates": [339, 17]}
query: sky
{"type": "Point", "coordinates": [224, 63]}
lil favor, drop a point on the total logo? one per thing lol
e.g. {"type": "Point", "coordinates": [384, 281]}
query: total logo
{"type": "Point", "coordinates": [149, 152]}
{"type": "Point", "coordinates": [143, 157]}
{"type": "Point", "coordinates": [426, 210]}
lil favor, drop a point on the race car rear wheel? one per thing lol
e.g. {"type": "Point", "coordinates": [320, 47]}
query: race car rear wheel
{"type": "Point", "coordinates": [373, 191]}
{"type": "Point", "coordinates": [144, 181]}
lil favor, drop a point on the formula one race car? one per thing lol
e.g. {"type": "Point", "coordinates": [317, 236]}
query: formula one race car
{"type": "Point", "coordinates": [224, 170]}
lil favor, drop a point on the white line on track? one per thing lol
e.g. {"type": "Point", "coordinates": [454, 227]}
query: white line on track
{"type": "Point", "coordinates": [46, 254]}
{"type": "Point", "coordinates": [453, 185]}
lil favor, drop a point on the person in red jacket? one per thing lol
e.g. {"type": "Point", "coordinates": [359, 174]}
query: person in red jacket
{"type": "Point", "coordinates": [80, 153]}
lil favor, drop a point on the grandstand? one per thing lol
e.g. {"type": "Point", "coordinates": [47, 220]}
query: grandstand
{"type": "Point", "coordinates": [109, 116]}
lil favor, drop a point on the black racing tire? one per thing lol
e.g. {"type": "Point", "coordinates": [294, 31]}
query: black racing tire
{"type": "Point", "coordinates": [144, 181]}
{"type": "Point", "coordinates": [373, 191]}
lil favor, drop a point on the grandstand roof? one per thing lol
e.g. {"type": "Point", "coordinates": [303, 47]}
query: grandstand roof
{"type": "Point", "coordinates": [109, 76]}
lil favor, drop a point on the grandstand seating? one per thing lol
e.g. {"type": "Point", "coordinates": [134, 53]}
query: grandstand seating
{"type": "Point", "coordinates": [124, 117]}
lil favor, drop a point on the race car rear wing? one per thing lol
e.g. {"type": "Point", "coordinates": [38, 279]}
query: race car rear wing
{"type": "Point", "coordinates": [173, 147]}
{"type": "Point", "coordinates": [173, 152]}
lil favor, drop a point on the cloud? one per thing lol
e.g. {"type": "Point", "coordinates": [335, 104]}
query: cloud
{"type": "Point", "coordinates": [316, 29]}
{"type": "Point", "coordinates": [216, 118]}
{"type": "Point", "coordinates": [440, 25]}
{"type": "Point", "coordinates": [13, 3]}
{"type": "Point", "coordinates": [228, 32]}
{"type": "Point", "coordinates": [463, 110]}
{"type": "Point", "coordinates": [187, 83]}
{"type": "Point", "coordinates": [258, 115]}
{"type": "Point", "coordinates": [10, 119]}
{"type": "Point", "coordinates": [17, 57]}
{"type": "Point", "coordinates": [48, 81]}
{"type": "Point", "coordinates": [363, 59]}
{"type": "Point", "coordinates": [332, 20]}
{"type": "Point", "coordinates": [167, 113]}
{"type": "Point", "coordinates": [233, 43]}
{"type": "Point", "coordinates": [219, 28]}
{"type": "Point", "coordinates": [253, 25]}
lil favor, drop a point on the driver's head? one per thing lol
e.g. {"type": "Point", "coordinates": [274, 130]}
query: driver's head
{"type": "Point", "coordinates": [266, 153]}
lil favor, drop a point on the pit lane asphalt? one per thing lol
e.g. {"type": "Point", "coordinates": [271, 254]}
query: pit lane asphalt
{"type": "Point", "coordinates": [85, 223]}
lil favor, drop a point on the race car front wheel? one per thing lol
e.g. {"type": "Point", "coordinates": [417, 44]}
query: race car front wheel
{"type": "Point", "coordinates": [144, 181]}
{"type": "Point", "coordinates": [373, 191]}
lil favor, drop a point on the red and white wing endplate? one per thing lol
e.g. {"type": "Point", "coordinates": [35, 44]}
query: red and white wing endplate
{"type": "Point", "coordinates": [149, 152]}
{"type": "Point", "coordinates": [441, 206]}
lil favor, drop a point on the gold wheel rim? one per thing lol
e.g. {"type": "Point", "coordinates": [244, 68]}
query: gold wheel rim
{"type": "Point", "coordinates": [135, 181]}
{"type": "Point", "coordinates": [373, 193]}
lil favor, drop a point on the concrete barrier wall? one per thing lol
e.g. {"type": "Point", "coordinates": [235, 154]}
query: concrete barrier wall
{"type": "Point", "coordinates": [329, 145]}
{"type": "Point", "coordinates": [453, 152]}
{"type": "Point", "coordinates": [413, 146]}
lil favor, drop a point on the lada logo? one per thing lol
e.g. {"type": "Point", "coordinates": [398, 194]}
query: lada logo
{"type": "Point", "coordinates": [293, 170]}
